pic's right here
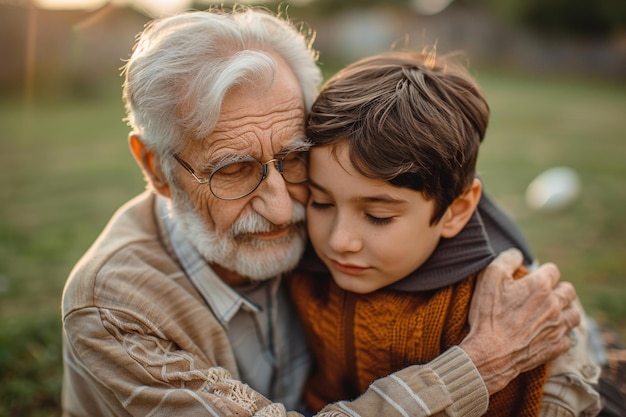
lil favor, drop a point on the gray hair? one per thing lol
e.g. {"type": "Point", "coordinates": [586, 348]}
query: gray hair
{"type": "Point", "coordinates": [182, 66]}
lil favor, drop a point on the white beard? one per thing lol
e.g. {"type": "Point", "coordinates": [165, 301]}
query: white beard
{"type": "Point", "coordinates": [236, 250]}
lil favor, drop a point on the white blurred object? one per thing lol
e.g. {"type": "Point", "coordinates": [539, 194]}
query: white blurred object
{"type": "Point", "coordinates": [430, 7]}
{"type": "Point", "coordinates": [553, 189]}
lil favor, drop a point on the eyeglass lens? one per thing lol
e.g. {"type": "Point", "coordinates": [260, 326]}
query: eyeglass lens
{"type": "Point", "coordinates": [241, 178]}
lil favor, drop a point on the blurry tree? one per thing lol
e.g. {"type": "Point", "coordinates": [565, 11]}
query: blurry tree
{"type": "Point", "coordinates": [310, 7]}
{"type": "Point", "coordinates": [332, 6]}
{"type": "Point", "coordinates": [579, 18]}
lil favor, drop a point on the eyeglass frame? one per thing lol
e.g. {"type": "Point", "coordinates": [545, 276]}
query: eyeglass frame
{"type": "Point", "coordinates": [278, 164]}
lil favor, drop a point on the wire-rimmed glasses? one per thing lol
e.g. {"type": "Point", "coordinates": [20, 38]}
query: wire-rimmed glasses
{"type": "Point", "coordinates": [238, 179]}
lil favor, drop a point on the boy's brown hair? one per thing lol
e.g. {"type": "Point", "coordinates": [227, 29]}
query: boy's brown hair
{"type": "Point", "coordinates": [412, 119]}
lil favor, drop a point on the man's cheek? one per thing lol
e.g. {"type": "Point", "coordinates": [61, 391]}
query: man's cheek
{"type": "Point", "coordinates": [299, 192]}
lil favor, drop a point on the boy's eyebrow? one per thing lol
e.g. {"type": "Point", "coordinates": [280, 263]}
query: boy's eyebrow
{"type": "Point", "coordinates": [318, 187]}
{"type": "Point", "coordinates": [382, 198]}
{"type": "Point", "coordinates": [378, 198]}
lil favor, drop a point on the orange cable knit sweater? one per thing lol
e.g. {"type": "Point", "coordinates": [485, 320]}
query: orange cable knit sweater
{"type": "Point", "coordinates": [357, 338]}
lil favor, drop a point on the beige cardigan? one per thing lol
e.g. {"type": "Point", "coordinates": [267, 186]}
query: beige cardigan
{"type": "Point", "coordinates": [139, 340]}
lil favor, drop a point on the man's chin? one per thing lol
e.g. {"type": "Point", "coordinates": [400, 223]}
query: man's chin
{"type": "Point", "coordinates": [261, 259]}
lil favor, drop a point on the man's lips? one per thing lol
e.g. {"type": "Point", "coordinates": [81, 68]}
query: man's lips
{"type": "Point", "coordinates": [272, 234]}
{"type": "Point", "coordinates": [349, 269]}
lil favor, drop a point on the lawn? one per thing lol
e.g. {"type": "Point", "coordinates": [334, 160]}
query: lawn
{"type": "Point", "coordinates": [66, 168]}
{"type": "Point", "coordinates": [539, 124]}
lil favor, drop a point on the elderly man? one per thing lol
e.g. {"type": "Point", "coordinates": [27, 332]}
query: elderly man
{"type": "Point", "coordinates": [178, 307]}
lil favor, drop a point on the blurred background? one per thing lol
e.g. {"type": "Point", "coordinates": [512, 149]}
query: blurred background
{"type": "Point", "coordinates": [554, 72]}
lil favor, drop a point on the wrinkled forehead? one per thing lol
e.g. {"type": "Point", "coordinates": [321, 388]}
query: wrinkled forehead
{"type": "Point", "coordinates": [259, 120]}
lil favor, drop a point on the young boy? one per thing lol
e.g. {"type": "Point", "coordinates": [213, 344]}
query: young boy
{"type": "Point", "coordinates": [392, 215]}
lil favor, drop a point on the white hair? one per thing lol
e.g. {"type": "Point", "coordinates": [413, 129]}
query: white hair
{"type": "Point", "coordinates": [182, 66]}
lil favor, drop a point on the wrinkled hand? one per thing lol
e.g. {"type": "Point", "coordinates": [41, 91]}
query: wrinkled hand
{"type": "Point", "coordinates": [516, 325]}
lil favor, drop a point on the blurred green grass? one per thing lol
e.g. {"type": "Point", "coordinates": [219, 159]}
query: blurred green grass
{"type": "Point", "coordinates": [541, 123]}
{"type": "Point", "coordinates": [65, 167]}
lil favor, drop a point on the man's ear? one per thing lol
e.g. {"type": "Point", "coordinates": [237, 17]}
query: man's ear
{"type": "Point", "coordinates": [461, 210]}
{"type": "Point", "coordinates": [149, 165]}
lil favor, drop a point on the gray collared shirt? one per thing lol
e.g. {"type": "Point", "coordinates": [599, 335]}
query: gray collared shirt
{"type": "Point", "coordinates": [262, 326]}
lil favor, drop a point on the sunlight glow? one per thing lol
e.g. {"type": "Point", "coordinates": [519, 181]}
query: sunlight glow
{"type": "Point", "coordinates": [159, 8]}
{"type": "Point", "coordinates": [154, 8]}
{"type": "Point", "coordinates": [70, 4]}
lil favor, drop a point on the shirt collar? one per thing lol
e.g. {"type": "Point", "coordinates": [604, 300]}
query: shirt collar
{"type": "Point", "coordinates": [223, 300]}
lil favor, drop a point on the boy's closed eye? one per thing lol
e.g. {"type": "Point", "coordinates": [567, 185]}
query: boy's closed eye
{"type": "Point", "coordinates": [319, 205]}
{"type": "Point", "coordinates": [376, 220]}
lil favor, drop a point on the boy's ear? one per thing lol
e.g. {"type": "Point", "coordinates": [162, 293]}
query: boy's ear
{"type": "Point", "coordinates": [149, 165]}
{"type": "Point", "coordinates": [461, 210]}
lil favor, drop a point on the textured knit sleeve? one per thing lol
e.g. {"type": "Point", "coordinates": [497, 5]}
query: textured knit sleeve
{"type": "Point", "coordinates": [450, 385]}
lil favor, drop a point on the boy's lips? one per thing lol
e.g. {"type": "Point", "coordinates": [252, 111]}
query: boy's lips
{"type": "Point", "coordinates": [349, 269]}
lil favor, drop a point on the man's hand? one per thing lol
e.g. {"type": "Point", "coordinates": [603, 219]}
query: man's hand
{"type": "Point", "coordinates": [516, 325]}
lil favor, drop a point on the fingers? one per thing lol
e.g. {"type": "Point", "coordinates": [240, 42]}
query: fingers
{"type": "Point", "coordinates": [554, 337]}
{"type": "Point", "coordinates": [572, 315]}
{"type": "Point", "coordinates": [557, 339]}
{"type": "Point", "coordinates": [566, 294]}
{"type": "Point", "coordinates": [548, 271]}
{"type": "Point", "coordinates": [551, 344]}
{"type": "Point", "coordinates": [509, 261]}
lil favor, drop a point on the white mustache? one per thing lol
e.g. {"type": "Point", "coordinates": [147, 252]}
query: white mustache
{"type": "Point", "coordinates": [255, 223]}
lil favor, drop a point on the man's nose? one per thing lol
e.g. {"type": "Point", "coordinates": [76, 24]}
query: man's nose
{"type": "Point", "coordinates": [272, 199]}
